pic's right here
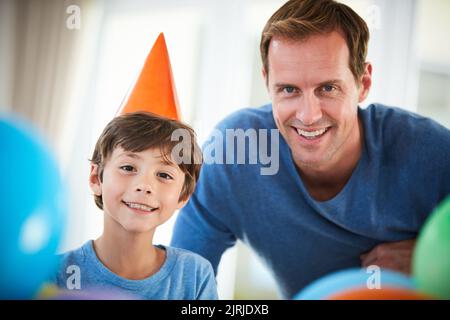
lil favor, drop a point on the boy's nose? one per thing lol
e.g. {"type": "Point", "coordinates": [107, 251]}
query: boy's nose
{"type": "Point", "coordinates": [144, 189]}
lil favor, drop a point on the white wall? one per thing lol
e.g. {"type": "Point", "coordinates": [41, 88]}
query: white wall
{"type": "Point", "coordinates": [7, 25]}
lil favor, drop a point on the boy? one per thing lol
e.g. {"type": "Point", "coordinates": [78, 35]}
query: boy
{"type": "Point", "coordinates": [138, 185]}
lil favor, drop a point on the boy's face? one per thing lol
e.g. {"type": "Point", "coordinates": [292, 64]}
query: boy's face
{"type": "Point", "coordinates": [139, 190]}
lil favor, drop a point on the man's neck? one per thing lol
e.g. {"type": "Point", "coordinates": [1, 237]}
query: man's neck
{"type": "Point", "coordinates": [129, 255]}
{"type": "Point", "coordinates": [325, 181]}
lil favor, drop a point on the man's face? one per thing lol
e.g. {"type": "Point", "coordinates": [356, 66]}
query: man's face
{"type": "Point", "coordinates": [139, 190]}
{"type": "Point", "coordinates": [315, 97]}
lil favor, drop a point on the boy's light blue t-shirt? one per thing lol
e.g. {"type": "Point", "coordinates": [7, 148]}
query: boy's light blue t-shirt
{"type": "Point", "coordinates": [183, 276]}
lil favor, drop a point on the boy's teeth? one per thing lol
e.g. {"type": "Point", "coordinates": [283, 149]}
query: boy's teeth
{"type": "Point", "coordinates": [139, 206]}
{"type": "Point", "coordinates": [311, 134]}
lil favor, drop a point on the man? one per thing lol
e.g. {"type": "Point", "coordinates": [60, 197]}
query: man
{"type": "Point", "coordinates": [354, 185]}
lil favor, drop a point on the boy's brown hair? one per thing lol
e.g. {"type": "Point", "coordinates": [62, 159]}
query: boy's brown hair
{"type": "Point", "coordinates": [139, 131]}
{"type": "Point", "coordinates": [300, 19]}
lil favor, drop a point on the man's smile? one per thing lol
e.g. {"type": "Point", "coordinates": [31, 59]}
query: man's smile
{"type": "Point", "coordinates": [311, 135]}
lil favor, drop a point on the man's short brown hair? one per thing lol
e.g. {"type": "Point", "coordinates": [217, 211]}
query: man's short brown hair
{"type": "Point", "coordinates": [300, 19]}
{"type": "Point", "coordinates": [139, 131]}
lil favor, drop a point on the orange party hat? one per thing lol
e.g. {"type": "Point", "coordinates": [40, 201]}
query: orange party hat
{"type": "Point", "coordinates": [154, 90]}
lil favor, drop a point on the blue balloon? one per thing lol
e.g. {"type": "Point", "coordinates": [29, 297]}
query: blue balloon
{"type": "Point", "coordinates": [352, 278]}
{"type": "Point", "coordinates": [32, 211]}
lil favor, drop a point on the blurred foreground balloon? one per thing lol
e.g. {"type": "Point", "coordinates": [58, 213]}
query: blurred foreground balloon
{"type": "Point", "coordinates": [32, 211]}
{"type": "Point", "coordinates": [51, 292]}
{"type": "Point", "coordinates": [93, 295]}
{"type": "Point", "coordinates": [349, 279]}
{"type": "Point", "coordinates": [431, 260]}
{"type": "Point", "coordinates": [379, 294]}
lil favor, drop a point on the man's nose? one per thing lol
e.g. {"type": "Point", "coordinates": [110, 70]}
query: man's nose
{"type": "Point", "coordinates": [309, 110]}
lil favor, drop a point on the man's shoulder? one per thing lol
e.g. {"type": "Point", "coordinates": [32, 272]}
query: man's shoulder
{"type": "Point", "coordinates": [396, 127]}
{"type": "Point", "coordinates": [247, 118]}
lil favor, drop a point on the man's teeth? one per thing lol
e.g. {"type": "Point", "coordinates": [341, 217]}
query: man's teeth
{"type": "Point", "coordinates": [311, 134]}
{"type": "Point", "coordinates": [139, 206]}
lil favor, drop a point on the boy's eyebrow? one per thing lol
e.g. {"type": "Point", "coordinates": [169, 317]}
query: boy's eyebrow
{"type": "Point", "coordinates": [130, 154]}
{"type": "Point", "coordinates": [166, 162]}
{"type": "Point", "coordinates": [161, 158]}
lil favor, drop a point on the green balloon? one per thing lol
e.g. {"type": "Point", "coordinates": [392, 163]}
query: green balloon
{"type": "Point", "coordinates": [431, 260]}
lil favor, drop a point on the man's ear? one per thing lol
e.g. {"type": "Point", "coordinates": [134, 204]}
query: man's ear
{"type": "Point", "coordinates": [264, 75]}
{"type": "Point", "coordinates": [366, 82]}
{"type": "Point", "coordinates": [94, 180]}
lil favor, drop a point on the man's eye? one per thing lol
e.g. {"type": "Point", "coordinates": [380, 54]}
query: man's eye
{"type": "Point", "coordinates": [164, 176]}
{"type": "Point", "coordinates": [328, 88]}
{"type": "Point", "coordinates": [127, 168]}
{"type": "Point", "coordinates": [289, 90]}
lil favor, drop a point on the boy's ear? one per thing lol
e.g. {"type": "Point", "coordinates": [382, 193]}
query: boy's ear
{"type": "Point", "coordinates": [94, 180]}
{"type": "Point", "coordinates": [182, 203]}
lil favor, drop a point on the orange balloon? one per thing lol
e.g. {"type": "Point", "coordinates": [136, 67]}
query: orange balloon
{"type": "Point", "coordinates": [154, 90]}
{"type": "Point", "coordinates": [378, 294]}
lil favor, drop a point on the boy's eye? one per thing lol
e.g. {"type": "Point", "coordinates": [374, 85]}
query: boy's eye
{"type": "Point", "coordinates": [164, 176]}
{"type": "Point", "coordinates": [127, 168]}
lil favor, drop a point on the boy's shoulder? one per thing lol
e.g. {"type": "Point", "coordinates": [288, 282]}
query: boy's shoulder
{"type": "Point", "coordinates": [69, 262]}
{"type": "Point", "coordinates": [187, 258]}
{"type": "Point", "coordinates": [192, 273]}
{"type": "Point", "coordinates": [79, 256]}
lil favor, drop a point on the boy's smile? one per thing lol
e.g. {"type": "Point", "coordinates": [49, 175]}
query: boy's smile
{"type": "Point", "coordinates": [140, 207]}
{"type": "Point", "coordinates": [140, 190]}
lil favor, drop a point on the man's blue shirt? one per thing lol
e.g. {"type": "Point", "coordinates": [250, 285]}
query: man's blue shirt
{"type": "Point", "coordinates": [403, 173]}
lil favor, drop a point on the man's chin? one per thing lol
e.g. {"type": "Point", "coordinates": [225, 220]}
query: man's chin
{"type": "Point", "coordinates": [310, 164]}
{"type": "Point", "coordinates": [312, 161]}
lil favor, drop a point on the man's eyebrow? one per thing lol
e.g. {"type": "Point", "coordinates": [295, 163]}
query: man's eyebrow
{"type": "Point", "coordinates": [283, 85]}
{"type": "Point", "coordinates": [332, 81]}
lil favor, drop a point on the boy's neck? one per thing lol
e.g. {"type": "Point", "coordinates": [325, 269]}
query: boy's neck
{"type": "Point", "coordinates": [129, 255]}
